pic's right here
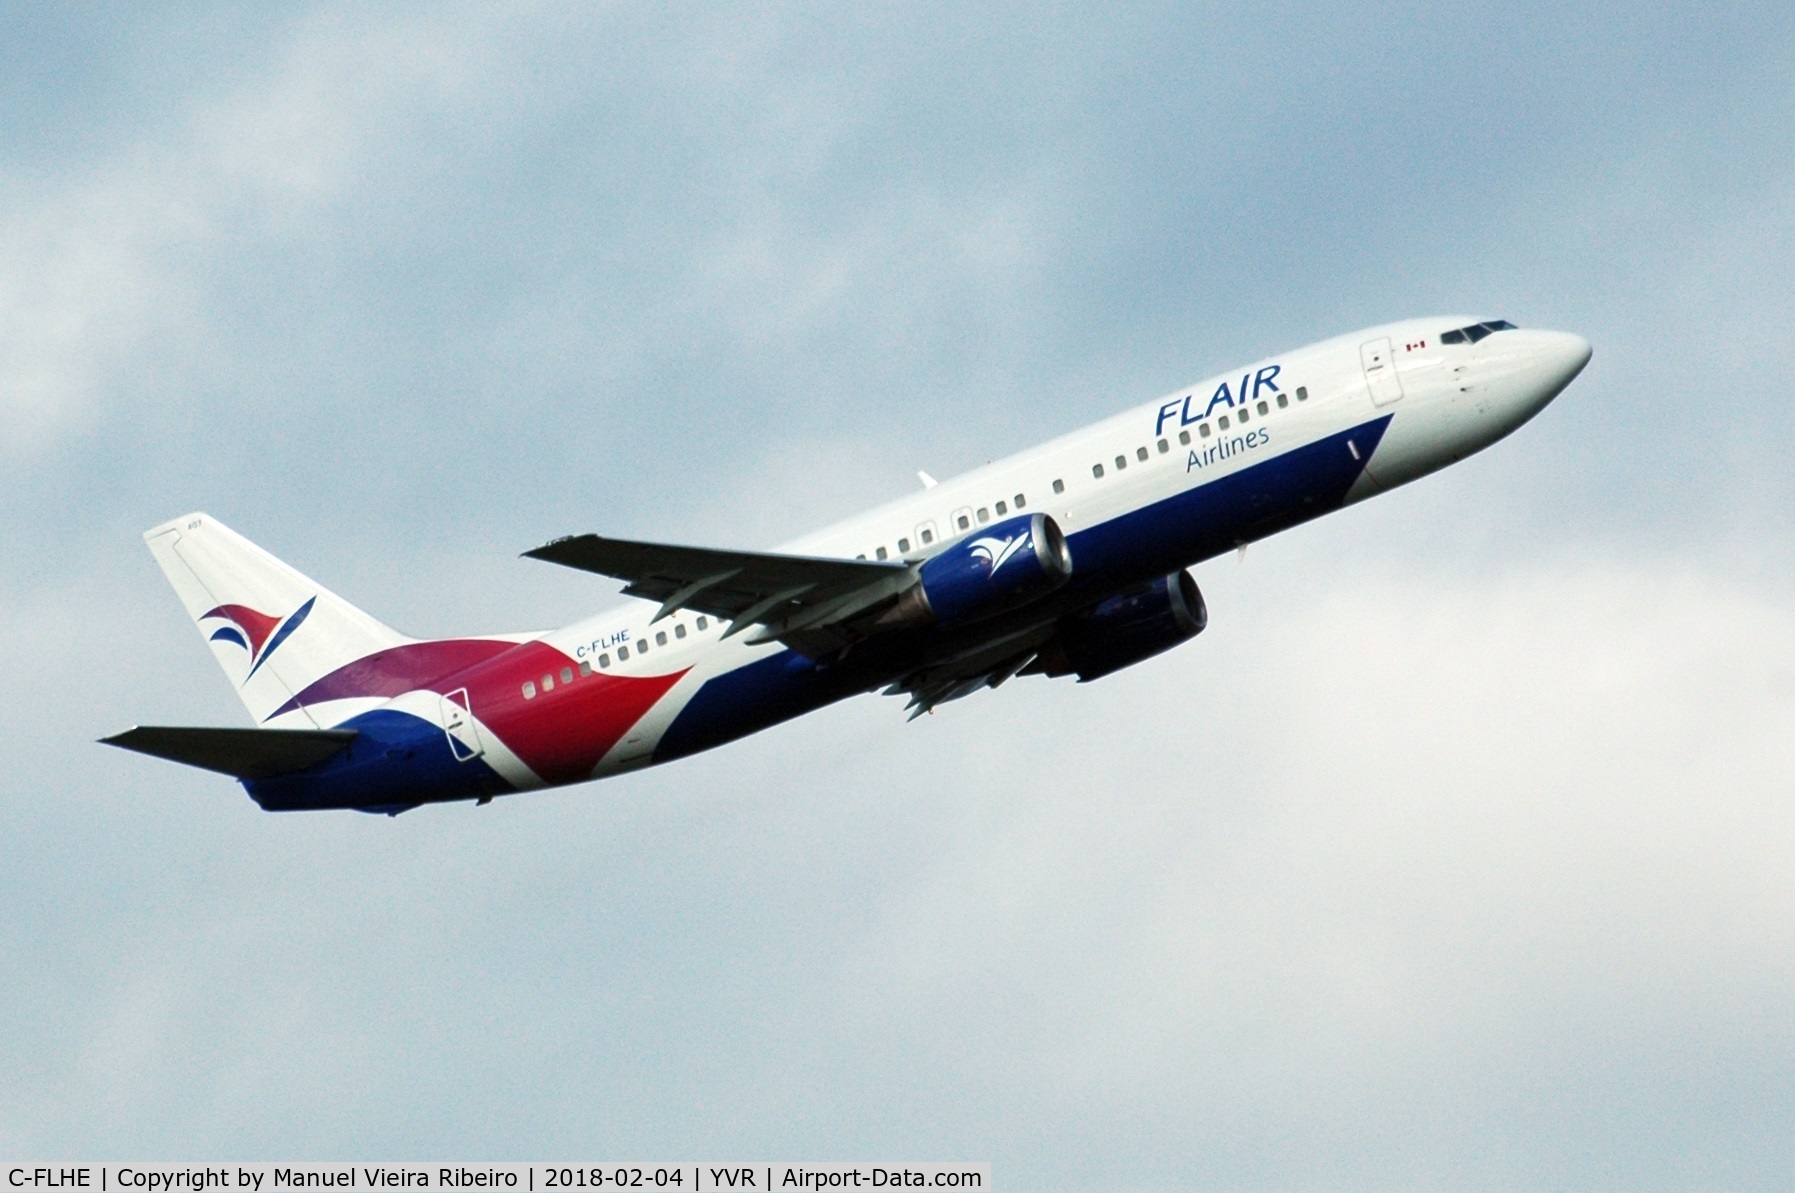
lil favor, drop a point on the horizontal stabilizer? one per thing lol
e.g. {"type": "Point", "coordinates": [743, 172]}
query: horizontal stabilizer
{"type": "Point", "coordinates": [241, 753]}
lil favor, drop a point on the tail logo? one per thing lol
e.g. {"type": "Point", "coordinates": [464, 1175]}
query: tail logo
{"type": "Point", "coordinates": [256, 632]}
{"type": "Point", "coordinates": [995, 552]}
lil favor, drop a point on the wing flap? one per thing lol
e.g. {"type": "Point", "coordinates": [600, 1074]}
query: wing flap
{"type": "Point", "coordinates": [988, 665]}
{"type": "Point", "coordinates": [240, 753]}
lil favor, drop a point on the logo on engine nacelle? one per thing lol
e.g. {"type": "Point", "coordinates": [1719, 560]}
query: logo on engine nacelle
{"type": "Point", "coordinates": [994, 553]}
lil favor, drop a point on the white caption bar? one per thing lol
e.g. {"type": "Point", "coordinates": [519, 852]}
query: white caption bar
{"type": "Point", "coordinates": [520, 1178]}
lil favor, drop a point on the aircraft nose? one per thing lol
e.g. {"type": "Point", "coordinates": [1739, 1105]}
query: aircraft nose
{"type": "Point", "coordinates": [1562, 356]}
{"type": "Point", "coordinates": [1546, 362]}
{"type": "Point", "coordinates": [1523, 370]}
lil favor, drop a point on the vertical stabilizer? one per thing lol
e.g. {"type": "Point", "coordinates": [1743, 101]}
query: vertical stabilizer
{"type": "Point", "coordinates": [272, 630]}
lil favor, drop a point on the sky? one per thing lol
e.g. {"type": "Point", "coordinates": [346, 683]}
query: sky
{"type": "Point", "coordinates": [1455, 854]}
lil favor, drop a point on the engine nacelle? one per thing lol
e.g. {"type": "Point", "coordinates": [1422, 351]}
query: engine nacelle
{"type": "Point", "coordinates": [1126, 628]}
{"type": "Point", "coordinates": [1003, 566]}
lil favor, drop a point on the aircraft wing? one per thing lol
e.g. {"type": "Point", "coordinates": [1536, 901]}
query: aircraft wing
{"type": "Point", "coordinates": [801, 600]}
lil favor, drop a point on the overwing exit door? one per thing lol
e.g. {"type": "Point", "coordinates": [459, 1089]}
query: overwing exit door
{"type": "Point", "coordinates": [1379, 362]}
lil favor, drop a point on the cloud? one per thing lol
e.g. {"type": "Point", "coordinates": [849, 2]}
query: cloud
{"type": "Point", "coordinates": [105, 258]}
{"type": "Point", "coordinates": [1388, 879]}
{"type": "Point", "coordinates": [79, 289]}
{"type": "Point", "coordinates": [1369, 875]}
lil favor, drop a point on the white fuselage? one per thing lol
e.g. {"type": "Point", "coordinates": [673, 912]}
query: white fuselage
{"type": "Point", "coordinates": [1445, 402]}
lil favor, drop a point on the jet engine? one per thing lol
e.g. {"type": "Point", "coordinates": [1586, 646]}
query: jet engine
{"type": "Point", "coordinates": [1125, 629]}
{"type": "Point", "coordinates": [993, 570]}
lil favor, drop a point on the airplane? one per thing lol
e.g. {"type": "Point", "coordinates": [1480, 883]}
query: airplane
{"type": "Point", "coordinates": [1069, 559]}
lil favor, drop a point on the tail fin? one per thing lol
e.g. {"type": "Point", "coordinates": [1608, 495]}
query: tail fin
{"type": "Point", "coordinates": [271, 629]}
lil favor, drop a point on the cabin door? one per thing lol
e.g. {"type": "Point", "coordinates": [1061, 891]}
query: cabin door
{"type": "Point", "coordinates": [1380, 371]}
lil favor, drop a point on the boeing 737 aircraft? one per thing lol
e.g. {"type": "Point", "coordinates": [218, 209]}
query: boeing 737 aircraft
{"type": "Point", "coordinates": [1068, 559]}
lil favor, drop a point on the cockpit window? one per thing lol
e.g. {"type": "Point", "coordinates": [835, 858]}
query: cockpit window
{"type": "Point", "coordinates": [1475, 332]}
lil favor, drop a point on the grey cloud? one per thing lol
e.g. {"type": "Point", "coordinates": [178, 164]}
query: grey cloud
{"type": "Point", "coordinates": [1419, 881]}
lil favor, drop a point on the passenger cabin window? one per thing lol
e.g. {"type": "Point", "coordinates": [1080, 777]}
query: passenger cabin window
{"type": "Point", "coordinates": [1121, 463]}
{"type": "Point", "coordinates": [928, 536]}
{"type": "Point", "coordinates": [622, 654]}
{"type": "Point", "coordinates": [529, 690]}
{"type": "Point", "coordinates": [1283, 401]}
{"type": "Point", "coordinates": [679, 631]}
{"type": "Point", "coordinates": [1059, 486]}
{"type": "Point", "coordinates": [984, 515]}
{"type": "Point", "coordinates": [1302, 393]}
{"type": "Point", "coordinates": [1164, 447]}
{"type": "Point", "coordinates": [903, 546]}
{"type": "Point", "coordinates": [1262, 408]}
{"type": "Point", "coordinates": [1242, 414]}
{"type": "Point", "coordinates": [548, 683]}
{"type": "Point", "coordinates": [704, 623]}
{"type": "Point", "coordinates": [964, 522]}
{"type": "Point", "coordinates": [660, 639]}
{"type": "Point", "coordinates": [585, 668]}
{"type": "Point", "coordinates": [1222, 423]}
{"type": "Point", "coordinates": [1002, 509]}
{"type": "Point", "coordinates": [1203, 430]}
{"type": "Point", "coordinates": [604, 660]}
{"type": "Point", "coordinates": [1184, 438]}
{"type": "Point", "coordinates": [1140, 453]}
{"type": "Point", "coordinates": [1020, 502]}
{"type": "Point", "coordinates": [1097, 471]}
{"type": "Point", "coordinates": [642, 646]}
{"type": "Point", "coordinates": [567, 675]}
{"type": "Point", "coordinates": [881, 553]}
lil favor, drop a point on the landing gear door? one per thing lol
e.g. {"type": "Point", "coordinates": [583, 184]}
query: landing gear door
{"type": "Point", "coordinates": [1379, 361]}
{"type": "Point", "coordinates": [458, 723]}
